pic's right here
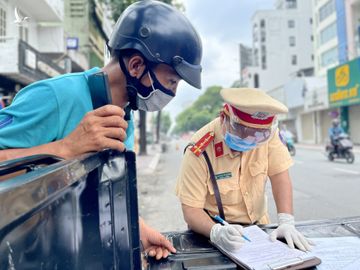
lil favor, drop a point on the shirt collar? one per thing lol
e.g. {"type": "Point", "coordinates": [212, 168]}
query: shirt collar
{"type": "Point", "coordinates": [220, 138]}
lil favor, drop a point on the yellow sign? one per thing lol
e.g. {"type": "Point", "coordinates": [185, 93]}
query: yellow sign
{"type": "Point", "coordinates": [344, 94]}
{"type": "Point", "coordinates": [344, 84]}
{"type": "Point", "coordinates": [342, 76]}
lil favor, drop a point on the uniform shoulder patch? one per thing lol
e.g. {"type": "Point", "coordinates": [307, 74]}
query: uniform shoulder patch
{"type": "Point", "coordinates": [201, 144]}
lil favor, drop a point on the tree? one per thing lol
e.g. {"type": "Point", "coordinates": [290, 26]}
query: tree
{"type": "Point", "coordinates": [165, 122]}
{"type": "Point", "coordinates": [142, 139]}
{"type": "Point", "coordinates": [202, 111]}
{"type": "Point", "coordinates": [162, 121]}
{"type": "Point", "coordinates": [118, 6]}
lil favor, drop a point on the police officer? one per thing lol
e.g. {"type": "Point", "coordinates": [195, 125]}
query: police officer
{"type": "Point", "coordinates": [153, 46]}
{"type": "Point", "coordinates": [224, 171]}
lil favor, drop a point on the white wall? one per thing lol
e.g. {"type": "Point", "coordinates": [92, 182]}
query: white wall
{"type": "Point", "coordinates": [278, 50]}
{"type": "Point", "coordinates": [51, 39]}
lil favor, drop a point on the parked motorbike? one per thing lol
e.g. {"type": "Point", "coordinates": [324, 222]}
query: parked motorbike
{"type": "Point", "coordinates": [341, 149]}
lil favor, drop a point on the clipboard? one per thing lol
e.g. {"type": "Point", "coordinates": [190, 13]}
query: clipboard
{"type": "Point", "coordinates": [249, 256]}
{"type": "Point", "coordinates": [295, 264]}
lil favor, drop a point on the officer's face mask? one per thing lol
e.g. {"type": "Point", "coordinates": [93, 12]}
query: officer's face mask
{"type": "Point", "coordinates": [148, 98]}
{"type": "Point", "coordinates": [241, 138]}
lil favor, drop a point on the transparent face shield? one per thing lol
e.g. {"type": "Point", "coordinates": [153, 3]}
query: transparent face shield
{"type": "Point", "coordinates": [241, 137]}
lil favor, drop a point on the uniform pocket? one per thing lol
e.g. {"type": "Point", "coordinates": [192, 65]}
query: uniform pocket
{"type": "Point", "coordinates": [229, 191]}
{"type": "Point", "coordinates": [257, 169]}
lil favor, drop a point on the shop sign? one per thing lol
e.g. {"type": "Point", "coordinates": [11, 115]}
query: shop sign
{"type": "Point", "coordinates": [344, 83]}
{"type": "Point", "coordinates": [72, 43]}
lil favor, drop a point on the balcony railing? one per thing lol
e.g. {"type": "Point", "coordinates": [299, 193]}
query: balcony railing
{"type": "Point", "coordinates": [22, 62]}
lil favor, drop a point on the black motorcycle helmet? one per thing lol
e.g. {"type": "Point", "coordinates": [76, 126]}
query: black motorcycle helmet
{"type": "Point", "coordinates": [163, 35]}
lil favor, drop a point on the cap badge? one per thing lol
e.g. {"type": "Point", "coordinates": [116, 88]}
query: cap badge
{"type": "Point", "coordinates": [260, 115]}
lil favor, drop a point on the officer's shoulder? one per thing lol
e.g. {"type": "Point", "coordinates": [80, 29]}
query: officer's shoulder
{"type": "Point", "coordinates": [202, 139]}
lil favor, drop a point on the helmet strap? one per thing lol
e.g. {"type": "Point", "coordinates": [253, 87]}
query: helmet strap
{"type": "Point", "coordinates": [131, 89]}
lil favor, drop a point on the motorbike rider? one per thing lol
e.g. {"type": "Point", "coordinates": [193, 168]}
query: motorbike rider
{"type": "Point", "coordinates": [334, 131]}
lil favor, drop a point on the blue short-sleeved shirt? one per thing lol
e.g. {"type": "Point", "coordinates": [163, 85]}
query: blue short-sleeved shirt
{"type": "Point", "coordinates": [48, 111]}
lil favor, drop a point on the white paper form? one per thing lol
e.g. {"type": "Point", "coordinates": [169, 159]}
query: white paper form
{"type": "Point", "coordinates": [337, 252]}
{"type": "Point", "coordinates": [261, 250]}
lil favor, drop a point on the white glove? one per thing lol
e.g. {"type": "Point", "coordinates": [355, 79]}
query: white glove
{"type": "Point", "coordinates": [287, 230]}
{"type": "Point", "coordinates": [229, 236]}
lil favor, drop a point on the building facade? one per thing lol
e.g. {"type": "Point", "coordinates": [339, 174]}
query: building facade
{"type": "Point", "coordinates": [336, 48]}
{"type": "Point", "coordinates": [315, 92]}
{"type": "Point", "coordinates": [31, 38]}
{"type": "Point", "coordinates": [58, 36]}
{"type": "Point", "coordinates": [282, 43]}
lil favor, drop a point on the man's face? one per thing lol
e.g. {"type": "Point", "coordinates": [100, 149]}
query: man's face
{"type": "Point", "coordinates": [166, 75]}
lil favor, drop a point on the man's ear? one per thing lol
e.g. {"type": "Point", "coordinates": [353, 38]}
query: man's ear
{"type": "Point", "coordinates": [136, 66]}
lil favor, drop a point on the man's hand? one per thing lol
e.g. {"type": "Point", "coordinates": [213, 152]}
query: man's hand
{"type": "Point", "coordinates": [102, 128]}
{"type": "Point", "coordinates": [155, 244]}
{"type": "Point", "coordinates": [287, 230]}
{"type": "Point", "coordinates": [228, 236]}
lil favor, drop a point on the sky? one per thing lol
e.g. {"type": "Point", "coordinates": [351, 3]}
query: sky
{"type": "Point", "coordinates": [222, 26]}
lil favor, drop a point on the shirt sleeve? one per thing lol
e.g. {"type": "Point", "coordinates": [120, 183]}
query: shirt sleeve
{"type": "Point", "coordinates": [32, 118]}
{"type": "Point", "coordinates": [279, 157]}
{"type": "Point", "coordinates": [191, 187]}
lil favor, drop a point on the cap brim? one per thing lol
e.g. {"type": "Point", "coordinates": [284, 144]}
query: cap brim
{"type": "Point", "coordinates": [189, 73]}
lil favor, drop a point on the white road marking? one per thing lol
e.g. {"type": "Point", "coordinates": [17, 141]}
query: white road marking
{"type": "Point", "coordinates": [347, 171]}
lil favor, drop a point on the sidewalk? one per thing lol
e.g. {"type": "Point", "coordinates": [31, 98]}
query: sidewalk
{"type": "Point", "coordinates": [146, 164]}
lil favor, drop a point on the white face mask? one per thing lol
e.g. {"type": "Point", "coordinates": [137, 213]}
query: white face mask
{"type": "Point", "coordinates": [156, 100]}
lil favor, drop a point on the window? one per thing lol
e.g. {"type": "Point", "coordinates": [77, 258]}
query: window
{"type": "Point", "coordinates": [2, 24]}
{"type": "Point", "coordinates": [256, 80]}
{"type": "Point", "coordinates": [262, 23]}
{"type": "Point", "coordinates": [326, 10]}
{"type": "Point", "coordinates": [77, 8]}
{"type": "Point", "coordinates": [292, 41]}
{"type": "Point", "coordinates": [291, 23]}
{"type": "Point", "coordinates": [291, 4]}
{"type": "Point", "coordinates": [329, 57]}
{"type": "Point", "coordinates": [294, 60]}
{"type": "Point", "coordinates": [328, 33]}
{"type": "Point", "coordinates": [262, 36]}
{"type": "Point", "coordinates": [263, 62]}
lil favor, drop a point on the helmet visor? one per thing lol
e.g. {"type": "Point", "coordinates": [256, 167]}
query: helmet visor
{"type": "Point", "coordinates": [188, 72]}
{"type": "Point", "coordinates": [251, 135]}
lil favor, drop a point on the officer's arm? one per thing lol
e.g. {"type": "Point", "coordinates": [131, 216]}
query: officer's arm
{"type": "Point", "coordinates": [197, 220]}
{"type": "Point", "coordinates": [282, 192]}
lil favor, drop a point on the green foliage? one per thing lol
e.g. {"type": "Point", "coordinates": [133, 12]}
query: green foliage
{"type": "Point", "coordinates": [118, 6]}
{"type": "Point", "coordinates": [201, 112]}
{"type": "Point", "coordinates": [165, 122]}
